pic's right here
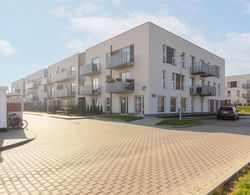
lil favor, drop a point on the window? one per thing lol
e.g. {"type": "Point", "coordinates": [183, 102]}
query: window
{"type": "Point", "coordinates": [232, 84]}
{"type": "Point", "coordinates": [228, 93]}
{"type": "Point", "coordinates": [95, 64]}
{"type": "Point", "coordinates": [125, 75]}
{"type": "Point", "coordinates": [183, 104]}
{"type": "Point", "coordinates": [72, 71]}
{"type": "Point", "coordinates": [183, 64]}
{"type": "Point", "coordinates": [192, 104]}
{"type": "Point", "coordinates": [73, 88]}
{"type": "Point", "coordinates": [238, 93]}
{"type": "Point", "coordinates": [160, 104]}
{"type": "Point", "coordinates": [59, 86]}
{"type": "Point", "coordinates": [218, 89]}
{"type": "Point", "coordinates": [164, 53]}
{"type": "Point", "coordinates": [168, 54]}
{"type": "Point", "coordinates": [108, 104]}
{"type": "Point", "coordinates": [164, 79]}
{"type": "Point", "coordinates": [178, 81]}
{"type": "Point", "coordinates": [202, 107]}
{"type": "Point", "coordinates": [95, 83]}
{"type": "Point", "coordinates": [192, 61]}
{"type": "Point", "coordinates": [172, 104]}
{"type": "Point", "coordinates": [94, 102]}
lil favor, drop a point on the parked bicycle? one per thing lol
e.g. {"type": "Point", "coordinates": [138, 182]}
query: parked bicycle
{"type": "Point", "coordinates": [16, 122]}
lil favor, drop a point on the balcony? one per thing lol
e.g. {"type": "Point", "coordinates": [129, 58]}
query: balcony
{"type": "Point", "coordinates": [204, 70]}
{"type": "Point", "coordinates": [89, 90]}
{"type": "Point", "coordinates": [62, 93]}
{"type": "Point", "coordinates": [32, 85]}
{"type": "Point", "coordinates": [120, 86]}
{"type": "Point", "coordinates": [246, 95]}
{"type": "Point", "coordinates": [90, 69]}
{"type": "Point", "coordinates": [203, 90]}
{"type": "Point", "coordinates": [121, 58]}
{"type": "Point", "coordinates": [31, 97]}
{"type": "Point", "coordinates": [63, 76]}
{"type": "Point", "coordinates": [246, 86]}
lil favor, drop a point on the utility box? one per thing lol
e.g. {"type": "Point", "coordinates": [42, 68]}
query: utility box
{"type": "Point", "coordinates": [3, 108]}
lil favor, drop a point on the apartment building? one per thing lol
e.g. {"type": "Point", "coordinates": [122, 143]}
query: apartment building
{"type": "Point", "coordinates": [238, 89]}
{"type": "Point", "coordinates": [36, 88]}
{"type": "Point", "coordinates": [145, 70]}
{"type": "Point", "coordinates": [18, 87]}
{"type": "Point", "coordinates": [63, 81]}
{"type": "Point", "coordinates": [148, 70]}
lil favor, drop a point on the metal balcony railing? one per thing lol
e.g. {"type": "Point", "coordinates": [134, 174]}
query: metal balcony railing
{"type": "Point", "coordinates": [90, 90]}
{"type": "Point", "coordinates": [204, 69]}
{"type": "Point", "coordinates": [90, 69]}
{"type": "Point", "coordinates": [67, 92]}
{"type": "Point", "coordinates": [204, 90]}
{"type": "Point", "coordinates": [120, 86]}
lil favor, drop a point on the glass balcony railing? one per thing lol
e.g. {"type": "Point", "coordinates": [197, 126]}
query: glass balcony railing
{"type": "Point", "coordinates": [67, 92]}
{"type": "Point", "coordinates": [63, 76]}
{"type": "Point", "coordinates": [120, 86]}
{"type": "Point", "coordinates": [90, 90]}
{"type": "Point", "coordinates": [204, 69]}
{"type": "Point", "coordinates": [246, 86]}
{"type": "Point", "coordinates": [203, 90]}
{"type": "Point", "coordinates": [90, 69]}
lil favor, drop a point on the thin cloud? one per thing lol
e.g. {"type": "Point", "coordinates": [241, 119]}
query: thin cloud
{"type": "Point", "coordinates": [6, 49]}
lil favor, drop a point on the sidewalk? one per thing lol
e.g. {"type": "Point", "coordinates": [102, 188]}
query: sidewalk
{"type": "Point", "coordinates": [15, 137]}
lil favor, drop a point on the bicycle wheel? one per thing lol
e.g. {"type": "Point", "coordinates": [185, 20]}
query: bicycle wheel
{"type": "Point", "coordinates": [22, 124]}
{"type": "Point", "coordinates": [15, 122]}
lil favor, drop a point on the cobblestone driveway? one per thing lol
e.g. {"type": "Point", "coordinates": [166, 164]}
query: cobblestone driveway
{"type": "Point", "coordinates": [95, 157]}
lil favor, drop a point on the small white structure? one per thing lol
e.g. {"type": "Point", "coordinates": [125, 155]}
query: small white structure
{"type": "Point", "coordinates": [3, 107]}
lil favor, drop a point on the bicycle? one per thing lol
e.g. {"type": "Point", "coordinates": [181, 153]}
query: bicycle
{"type": "Point", "coordinates": [16, 122]}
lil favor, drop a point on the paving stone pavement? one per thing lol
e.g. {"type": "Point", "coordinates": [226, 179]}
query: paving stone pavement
{"type": "Point", "coordinates": [96, 157]}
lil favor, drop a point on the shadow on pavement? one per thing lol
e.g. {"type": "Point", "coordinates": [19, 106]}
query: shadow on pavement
{"type": "Point", "coordinates": [11, 136]}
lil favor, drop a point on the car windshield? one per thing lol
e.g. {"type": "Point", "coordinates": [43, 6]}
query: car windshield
{"type": "Point", "coordinates": [226, 109]}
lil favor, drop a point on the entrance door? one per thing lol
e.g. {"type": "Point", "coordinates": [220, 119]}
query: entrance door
{"type": "Point", "coordinates": [124, 105]}
{"type": "Point", "coordinates": [139, 104]}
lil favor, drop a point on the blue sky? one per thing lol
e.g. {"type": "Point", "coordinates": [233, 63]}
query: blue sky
{"type": "Point", "coordinates": [35, 34]}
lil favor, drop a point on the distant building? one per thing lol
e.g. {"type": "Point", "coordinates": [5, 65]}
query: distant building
{"type": "Point", "coordinates": [238, 89]}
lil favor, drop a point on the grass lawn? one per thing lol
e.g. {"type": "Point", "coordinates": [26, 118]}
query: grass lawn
{"type": "Point", "coordinates": [243, 185]}
{"type": "Point", "coordinates": [178, 122]}
{"type": "Point", "coordinates": [123, 118]}
{"type": "Point", "coordinates": [243, 109]}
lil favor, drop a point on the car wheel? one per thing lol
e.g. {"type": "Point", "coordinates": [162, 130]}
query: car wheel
{"type": "Point", "coordinates": [235, 118]}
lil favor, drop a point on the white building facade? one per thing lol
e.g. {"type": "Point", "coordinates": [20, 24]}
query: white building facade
{"type": "Point", "coordinates": [146, 70]}
{"type": "Point", "coordinates": [238, 89]}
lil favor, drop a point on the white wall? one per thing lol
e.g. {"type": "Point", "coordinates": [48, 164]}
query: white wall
{"type": "Point", "coordinates": [3, 108]}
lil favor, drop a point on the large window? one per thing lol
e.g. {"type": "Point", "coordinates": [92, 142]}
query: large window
{"type": "Point", "coordinates": [125, 75]}
{"type": "Point", "coordinates": [95, 83]}
{"type": "Point", "coordinates": [183, 60]}
{"type": "Point", "coordinates": [108, 103]}
{"type": "Point", "coordinates": [95, 64]}
{"type": "Point", "coordinates": [161, 104]}
{"type": "Point", "coordinates": [73, 88]}
{"type": "Point", "coordinates": [228, 93]}
{"type": "Point", "coordinates": [183, 104]}
{"type": "Point", "coordinates": [164, 79]}
{"type": "Point", "coordinates": [172, 104]}
{"type": "Point", "coordinates": [168, 54]}
{"type": "Point", "coordinates": [233, 84]}
{"type": "Point", "coordinates": [178, 81]}
{"type": "Point", "coordinates": [72, 71]}
{"type": "Point", "coordinates": [238, 93]}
